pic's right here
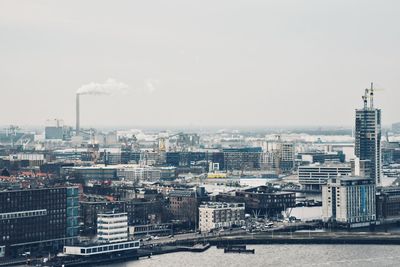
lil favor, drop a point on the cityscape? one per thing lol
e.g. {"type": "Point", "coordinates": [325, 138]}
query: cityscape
{"type": "Point", "coordinates": [91, 184]}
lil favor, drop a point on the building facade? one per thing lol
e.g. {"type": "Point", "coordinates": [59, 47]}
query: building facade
{"type": "Point", "coordinates": [313, 177]}
{"type": "Point", "coordinates": [261, 200]}
{"type": "Point", "coordinates": [38, 219]}
{"type": "Point", "coordinates": [368, 136]}
{"type": "Point", "coordinates": [216, 215]}
{"type": "Point", "coordinates": [388, 204]}
{"type": "Point", "coordinates": [112, 227]}
{"type": "Point", "coordinates": [349, 201]}
{"type": "Point", "coordinates": [183, 204]}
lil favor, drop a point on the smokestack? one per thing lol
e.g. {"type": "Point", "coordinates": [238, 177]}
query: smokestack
{"type": "Point", "coordinates": [78, 128]}
{"type": "Point", "coordinates": [108, 88]}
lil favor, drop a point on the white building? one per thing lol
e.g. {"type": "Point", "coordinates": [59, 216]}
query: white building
{"type": "Point", "coordinates": [349, 201]}
{"type": "Point", "coordinates": [96, 249]}
{"type": "Point", "coordinates": [112, 227]}
{"type": "Point", "coordinates": [215, 215]}
{"type": "Point", "coordinates": [312, 177]}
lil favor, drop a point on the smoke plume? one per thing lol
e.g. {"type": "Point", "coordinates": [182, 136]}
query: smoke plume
{"type": "Point", "coordinates": [151, 85]}
{"type": "Point", "coordinates": [110, 87]}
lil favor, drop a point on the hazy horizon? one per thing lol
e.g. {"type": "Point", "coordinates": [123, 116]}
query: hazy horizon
{"type": "Point", "coordinates": [202, 64]}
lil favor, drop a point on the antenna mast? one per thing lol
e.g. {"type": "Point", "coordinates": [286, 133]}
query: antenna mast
{"type": "Point", "coordinates": [371, 96]}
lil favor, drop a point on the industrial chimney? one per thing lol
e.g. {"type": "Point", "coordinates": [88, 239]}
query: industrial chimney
{"type": "Point", "coordinates": [77, 116]}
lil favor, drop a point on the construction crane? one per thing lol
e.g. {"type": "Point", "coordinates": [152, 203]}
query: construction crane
{"type": "Point", "coordinates": [369, 94]}
{"type": "Point", "coordinates": [12, 132]}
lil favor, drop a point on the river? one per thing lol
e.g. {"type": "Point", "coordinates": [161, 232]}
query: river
{"type": "Point", "coordinates": [281, 255]}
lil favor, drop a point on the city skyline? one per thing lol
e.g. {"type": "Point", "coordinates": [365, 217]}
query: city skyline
{"type": "Point", "coordinates": [188, 133]}
{"type": "Point", "coordinates": [258, 64]}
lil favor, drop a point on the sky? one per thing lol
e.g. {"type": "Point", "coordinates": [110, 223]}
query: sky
{"type": "Point", "coordinates": [216, 63]}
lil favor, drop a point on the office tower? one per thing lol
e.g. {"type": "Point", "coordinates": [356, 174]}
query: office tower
{"type": "Point", "coordinates": [368, 134]}
{"type": "Point", "coordinates": [38, 219]}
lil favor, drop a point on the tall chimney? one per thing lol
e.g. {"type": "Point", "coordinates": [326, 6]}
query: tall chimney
{"type": "Point", "coordinates": [78, 128]}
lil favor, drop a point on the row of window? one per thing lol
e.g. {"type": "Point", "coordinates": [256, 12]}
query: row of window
{"type": "Point", "coordinates": [109, 248]}
{"type": "Point", "coordinates": [22, 214]}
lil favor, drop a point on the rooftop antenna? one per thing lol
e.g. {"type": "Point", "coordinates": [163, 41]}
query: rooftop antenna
{"type": "Point", "coordinates": [371, 96]}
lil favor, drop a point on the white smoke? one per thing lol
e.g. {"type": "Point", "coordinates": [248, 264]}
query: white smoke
{"type": "Point", "coordinates": [151, 85]}
{"type": "Point", "coordinates": [110, 87]}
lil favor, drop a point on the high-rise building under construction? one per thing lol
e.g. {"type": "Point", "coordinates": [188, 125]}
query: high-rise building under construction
{"type": "Point", "coordinates": [368, 135]}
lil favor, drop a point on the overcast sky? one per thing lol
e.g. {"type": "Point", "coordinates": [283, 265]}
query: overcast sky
{"type": "Point", "coordinates": [199, 63]}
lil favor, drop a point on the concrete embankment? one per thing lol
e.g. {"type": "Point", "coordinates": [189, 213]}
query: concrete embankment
{"type": "Point", "coordinates": [304, 238]}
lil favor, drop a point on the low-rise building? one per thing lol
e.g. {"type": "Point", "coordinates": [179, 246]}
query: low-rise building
{"type": "Point", "coordinates": [216, 215]}
{"type": "Point", "coordinates": [261, 200]}
{"type": "Point", "coordinates": [184, 204]}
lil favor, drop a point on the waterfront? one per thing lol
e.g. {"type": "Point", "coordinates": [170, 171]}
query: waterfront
{"type": "Point", "coordinates": [281, 255]}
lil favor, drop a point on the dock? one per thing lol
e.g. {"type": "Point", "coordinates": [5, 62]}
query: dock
{"type": "Point", "coordinates": [238, 249]}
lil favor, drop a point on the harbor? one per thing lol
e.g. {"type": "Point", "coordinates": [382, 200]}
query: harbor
{"type": "Point", "coordinates": [235, 243]}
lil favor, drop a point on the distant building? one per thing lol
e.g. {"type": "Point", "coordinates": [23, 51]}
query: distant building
{"type": "Point", "coordinates": [349, 201]}
{"type": "Point", "coordinates": [112, 227]}
{"type": "Point", "coordinates": [138, 174]}
{"type": "Point", "coordinates": [215, 215]}
{"type": "Point", "coordinates": [396, 127]}
{"type": "Point", "coordinates": [260, 200]}
{"type": "Point", "coordinates": [322, 157]}
{"type": "Point", "coordinates": [36, 219]}
{"type": "Point", "coordinates": [97, 172]}
{"type": "Point", "coordinates": [313, 177]}
{"type": "Point", "coordinates": [55, 130]}
{"type": "Point", "coordinates": [388, 204]}
{"type": "Point", "coordinates": [247, 158]}
{"type": "Point", "coordinates": [129, 172]}
{"type": "Point", "coordinates": [16, 162]}
{"type": "Point", "coordinates": [361, 168]}
{"type": "Point", "coordinates": [52, 132]}
{"type": "Point", "coordinates": [368, 135]}
{"type": "Point", "coordinates": [390, 152]}
{"type": "Point", "coordinates": [286, 154]}
{"type": "Point", "coordinates": [184, 204]}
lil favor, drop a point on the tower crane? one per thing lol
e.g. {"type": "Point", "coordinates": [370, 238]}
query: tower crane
{"type": "Point", "coordinates": [369, 94]}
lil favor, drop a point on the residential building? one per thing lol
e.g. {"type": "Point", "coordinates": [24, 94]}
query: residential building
{"type": "Point", "coordinates": [216, 215]}
{"type": "Point", "coordinates": [349, 201]}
